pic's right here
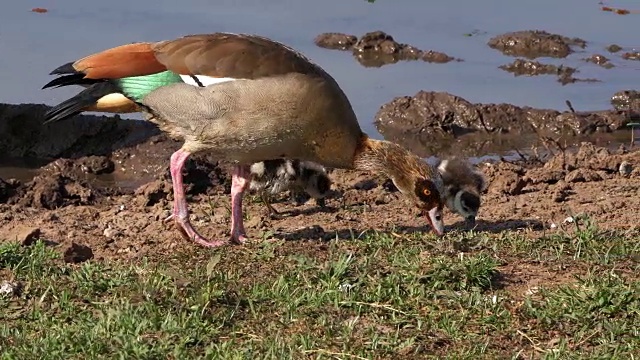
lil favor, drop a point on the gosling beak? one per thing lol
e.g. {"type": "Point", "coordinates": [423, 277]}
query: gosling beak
{"type": "Point", "coordinates": [434, 216]}
{"type": "Point", "coordinates": [471, 220]}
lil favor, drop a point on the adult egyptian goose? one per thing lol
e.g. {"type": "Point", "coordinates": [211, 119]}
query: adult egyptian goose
{"type": "Point", "coordinates": [243, 98]}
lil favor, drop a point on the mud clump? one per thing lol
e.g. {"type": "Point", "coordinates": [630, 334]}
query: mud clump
{"type": "Point", "coordinates": [533, 68]}
{"type": "Point", "coordinates": [7, 189]}
{"type": "Point", "coordinates": [436, 57]}
{"type": "Point", "coordinates": [633, 55]}
{"type": "Point", "coordinates": [73, 168]}
{"type": "Point", "coordinates": [54, 191]}
{"type": "Point", "coordinates": [532, 44]}
{"type": "Point", "coordinates": [335, 41]}
{"type": "Point", "coordinates": [77, 253]}
{"type": "Point", "coordinates": [153, 192]}
{"type": "Point", "coordinates": [627, 100]}
{"type": "Point", "coordinates": [614, 48]}
{"type": "Point", "coordinates": [601, 60]}
{"type": "Point", "coordinates": [377, 48]}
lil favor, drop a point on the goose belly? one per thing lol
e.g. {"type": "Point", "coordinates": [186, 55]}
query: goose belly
{"type": "Point", "coordinates": [249, 144]}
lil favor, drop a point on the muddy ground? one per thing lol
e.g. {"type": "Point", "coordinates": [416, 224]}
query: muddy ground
{"type": "Point", "coordinates": [100, 188]}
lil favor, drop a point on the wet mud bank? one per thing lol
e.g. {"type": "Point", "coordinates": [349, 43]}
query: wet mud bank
{"type": "Point", "coordinates": [438, 122]}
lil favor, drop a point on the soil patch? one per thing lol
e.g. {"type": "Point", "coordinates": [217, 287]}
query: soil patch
{"type": "Point", "coordinates": [112, 205]}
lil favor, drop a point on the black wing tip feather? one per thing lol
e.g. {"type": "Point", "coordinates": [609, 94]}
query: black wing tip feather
{"type": "Point", "coordinates": [76, 104]}
{"type": "Point", "coordinates": [72, 79]}
{"type": "Point", "coordinates": [65, 69]}
{"type": "Point", "coordinates": [64, 110]}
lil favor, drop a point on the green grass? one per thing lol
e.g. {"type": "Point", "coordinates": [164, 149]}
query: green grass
{"type": "Point", "coordinates": [381, 296]}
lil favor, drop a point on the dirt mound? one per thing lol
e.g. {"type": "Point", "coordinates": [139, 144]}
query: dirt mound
{"type": "Point", "coordinates": [587, 163]}
{"type": "Point", "coordinates": [534, 43]}
{"type": "Point", "coordinates": [420, 121]}
{"type": "Point", "coordinates": [51, 191]}
{"type": "Point", "coordinates": [377, 48]}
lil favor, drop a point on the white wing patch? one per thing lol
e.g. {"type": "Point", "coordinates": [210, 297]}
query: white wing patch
{"type": "Point", "coordinates": [443, 166]}
{"type": "Point", "coordinates": [201, 80]}
{"type": "Point", "coordinates": [112, 98]}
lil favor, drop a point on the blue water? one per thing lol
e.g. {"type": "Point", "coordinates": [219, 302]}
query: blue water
{"type": "Point", "coordinates": [32, 44]}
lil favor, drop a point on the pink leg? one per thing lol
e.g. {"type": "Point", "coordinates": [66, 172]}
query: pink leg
{"type": "Point", "coordinates": [240, 180]}
{"type": "Point", "coordinates": [180, 209]}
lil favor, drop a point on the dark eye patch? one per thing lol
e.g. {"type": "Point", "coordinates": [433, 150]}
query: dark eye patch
{"type": "Point", "coordinates": [426, 191]}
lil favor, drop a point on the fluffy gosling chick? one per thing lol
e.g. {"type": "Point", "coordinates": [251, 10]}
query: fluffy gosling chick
{"type": "Point", "coordinates": [464, 185]}
{"type": "Point", "coordinates": [303, 179]}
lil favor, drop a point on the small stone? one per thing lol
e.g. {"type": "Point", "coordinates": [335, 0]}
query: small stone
{"type": "Point", "coordinates": [365, 185]}
{"type": "Point", "coordinates": [389, 186]}
{"type": "Point", "coordinates": [110, 232]}
{"type": "Point", "coordinates": [10, 288]}
{"type": "Point", "coordinates": [381, 199]}
{"type": "Point", "coordinates": [625, 168]}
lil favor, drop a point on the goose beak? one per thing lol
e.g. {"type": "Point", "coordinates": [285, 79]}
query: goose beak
{"type": "Point", "coordinates": [436, 221]}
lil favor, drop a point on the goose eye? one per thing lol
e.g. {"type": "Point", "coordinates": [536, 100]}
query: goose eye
{"type": "Point", "coordinates": [426, 192]}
